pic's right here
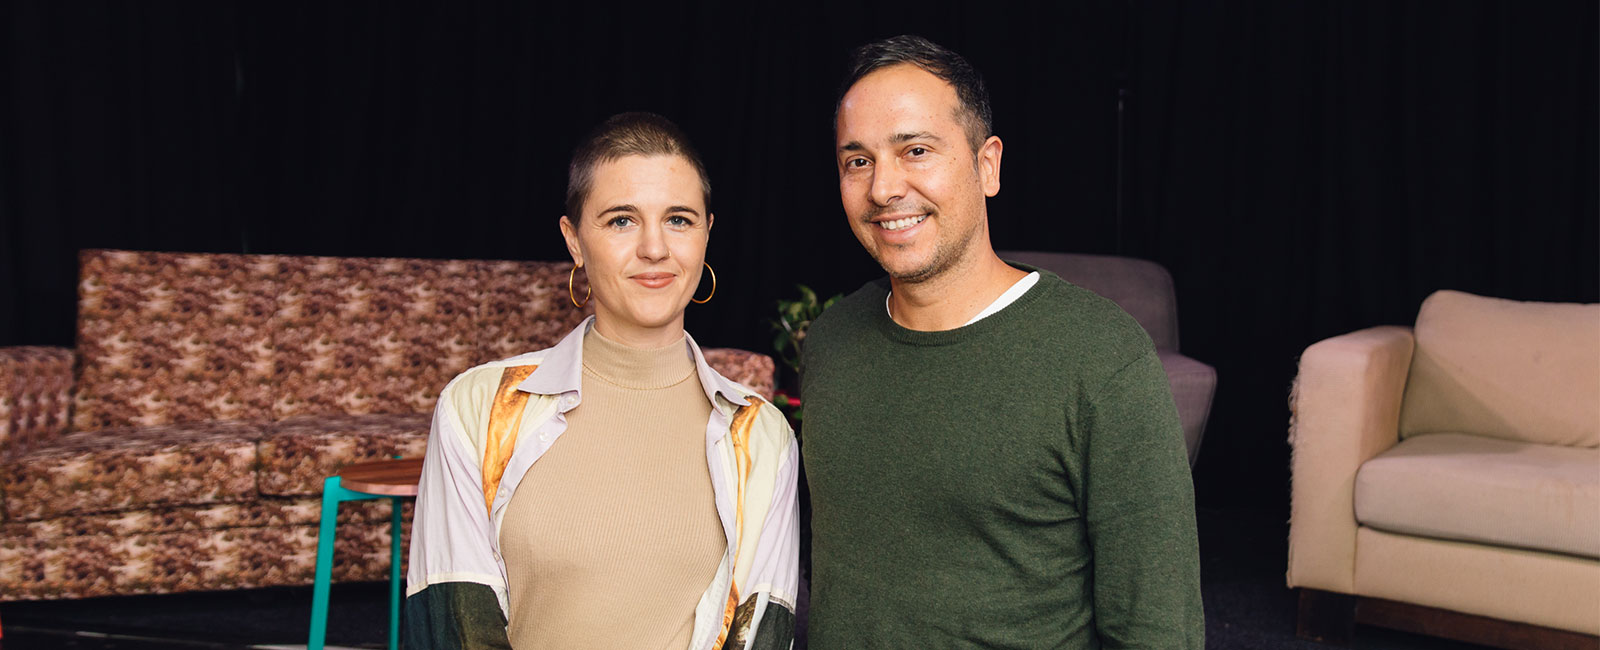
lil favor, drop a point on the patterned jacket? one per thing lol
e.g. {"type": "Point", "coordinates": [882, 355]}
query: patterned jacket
{"type": "Point", "coordinates": [494, 421]}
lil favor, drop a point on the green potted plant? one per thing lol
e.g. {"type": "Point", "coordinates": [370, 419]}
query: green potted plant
{"type": "Point", "coordinates": [789, 333]}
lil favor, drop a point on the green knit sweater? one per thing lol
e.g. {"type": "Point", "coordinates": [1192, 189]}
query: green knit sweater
{"type": "Point", "coordinates": [1020, 482]}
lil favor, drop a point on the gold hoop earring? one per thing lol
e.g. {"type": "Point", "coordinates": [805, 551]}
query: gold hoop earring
{"type": "Point", "coordinates": [713, 286]}
{"type": "Point", "coordinates": [587, 291]}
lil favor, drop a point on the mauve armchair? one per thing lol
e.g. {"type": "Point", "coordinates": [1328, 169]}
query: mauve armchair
{"type": "Point", "coordinates": [1144, 290]}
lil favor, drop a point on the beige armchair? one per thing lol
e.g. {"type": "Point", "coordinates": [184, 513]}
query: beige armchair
{"type": "Point", "coordinates": [1446, 478]}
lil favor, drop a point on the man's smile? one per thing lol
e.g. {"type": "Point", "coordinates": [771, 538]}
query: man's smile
{"type": "Point", "coordinates": [901, 223]}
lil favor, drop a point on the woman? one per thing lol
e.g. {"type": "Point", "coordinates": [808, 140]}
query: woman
{"type": "Point", "coordinates": [612, 491]}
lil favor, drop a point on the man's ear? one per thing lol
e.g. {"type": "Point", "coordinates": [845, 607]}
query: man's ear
{"type": "Point", "coordinates": [569, 232]}
{"type": "Point", "coordinates": [989, 165]}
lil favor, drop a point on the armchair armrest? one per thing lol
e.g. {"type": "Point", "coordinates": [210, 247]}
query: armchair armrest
{"type": "Point", "coordinates": [753, 369]}
{"type": "Point", "coordinates": [36, 385]}
{"type": "Point", "coordinates": [1344, 409]}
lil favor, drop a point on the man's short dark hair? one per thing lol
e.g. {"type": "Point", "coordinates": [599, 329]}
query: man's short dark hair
{"type": "Point", "coordinates": [628, 134]}
{"type": "Point", "coordinates": [974, 109]}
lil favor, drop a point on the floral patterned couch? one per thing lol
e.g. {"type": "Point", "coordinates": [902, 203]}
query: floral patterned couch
{"type": "Point", "coordinates": [182, 445]}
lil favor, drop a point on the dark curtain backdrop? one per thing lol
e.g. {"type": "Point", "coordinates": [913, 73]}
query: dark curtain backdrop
{"type": "Point", "coordinates": [1304, 169]}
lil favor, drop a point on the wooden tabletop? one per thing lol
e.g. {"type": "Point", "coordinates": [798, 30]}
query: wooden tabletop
{"type": "Point", "coordinates": [396, 478]}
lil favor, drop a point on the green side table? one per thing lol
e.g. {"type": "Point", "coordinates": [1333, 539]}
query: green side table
{"type": "Point", "coordinates": [385, 479]}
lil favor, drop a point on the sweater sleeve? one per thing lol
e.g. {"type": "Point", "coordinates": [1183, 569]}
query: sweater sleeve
{"type": "Point", "coordinates": [1139, 508]}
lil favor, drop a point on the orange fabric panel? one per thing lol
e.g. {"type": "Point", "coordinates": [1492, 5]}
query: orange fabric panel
{"type": "Point", "coordinates": [505, 419]}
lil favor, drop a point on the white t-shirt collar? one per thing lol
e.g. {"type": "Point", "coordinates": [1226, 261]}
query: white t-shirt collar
{"type": "Point", "coordinates": [1010, 296]}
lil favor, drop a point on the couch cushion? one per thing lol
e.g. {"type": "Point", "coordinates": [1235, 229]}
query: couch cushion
{"type": "Point", "coordinates": [359, 335]}
{"type": "Point", "coordinates": [300, 511]}
{"type": "Point", "coordinates": [173, 337]}
{"type": "Point", "coordinates": [1478, 489]}
{"type": "Point", "coordinates": [1548, 589]}
{"type": "Point", "coordinates": [129, 468]}
{"type": "Point", "coordinates": [525, 307]}
{"type": "Point", "coordinates": [1514, 370]}
{"type": "Point", "coordinates": [35, 395]}
{"type": "Point", "coordinates": [750, 369]}
{"type": "Point", "coordinates": [186, 560]}
{"type": "Point", "coordinates": [298, 453]}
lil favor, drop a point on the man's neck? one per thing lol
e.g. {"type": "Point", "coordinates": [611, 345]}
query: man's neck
{"type": "Point", "coordinates": [952, 298]}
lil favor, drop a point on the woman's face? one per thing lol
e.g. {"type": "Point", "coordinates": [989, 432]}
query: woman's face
{"type": "Point", "coordinates": [641, 239]}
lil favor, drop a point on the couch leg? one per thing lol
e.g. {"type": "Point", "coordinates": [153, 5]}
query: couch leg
{"type": "Point", "coordinates": [1326, 616]}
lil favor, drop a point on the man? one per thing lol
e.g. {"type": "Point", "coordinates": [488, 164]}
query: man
{"type": "Point", "coordinates": [993, 454]}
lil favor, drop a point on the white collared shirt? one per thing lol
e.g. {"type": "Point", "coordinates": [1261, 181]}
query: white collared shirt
{"type": "Point", "coordinates": [750, 449]}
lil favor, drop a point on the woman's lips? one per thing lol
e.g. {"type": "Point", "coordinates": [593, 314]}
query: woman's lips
{"type": "Point", "coordinates": [653, 280]}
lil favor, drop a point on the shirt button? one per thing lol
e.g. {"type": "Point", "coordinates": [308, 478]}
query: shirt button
{"type": "Point", "coordinates": [568, 400]}
{"type": "Point", "coordinates": [544, 437]}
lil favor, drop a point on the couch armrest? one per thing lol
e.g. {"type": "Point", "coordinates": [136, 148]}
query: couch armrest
{"type": "Point", "coordinates": [36, 385]}
{"type": "Point", "coordinates": [1344, 409]}
{"type": "Point", "coordinates": [1193, 384]}
{"type": "Point", "coordinates": [753, 369]}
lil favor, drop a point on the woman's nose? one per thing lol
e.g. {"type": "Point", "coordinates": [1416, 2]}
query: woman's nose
{"type": "Point", "coordinates": [653, 243]}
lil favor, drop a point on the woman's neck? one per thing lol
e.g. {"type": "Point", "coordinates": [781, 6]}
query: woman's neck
{"type": "Point", "coordinates": [636, 368]}
{"type": "Point", "coordinates": [637, 336]}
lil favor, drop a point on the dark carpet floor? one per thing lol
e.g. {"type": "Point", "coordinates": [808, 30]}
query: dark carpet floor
{"type": "Point", "coordinates": [1242, 556]}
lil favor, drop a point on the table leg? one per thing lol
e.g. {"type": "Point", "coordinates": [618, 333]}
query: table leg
{"type": "Point", "coordinates": [332, 492]}
{"type": "Point", "coordinates": [395, 531]}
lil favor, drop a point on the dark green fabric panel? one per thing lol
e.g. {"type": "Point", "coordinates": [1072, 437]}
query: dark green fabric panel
{"type": "Point", "coordinates": [777, 629]}
{"type": "Point", "coordinates": [454, 616]}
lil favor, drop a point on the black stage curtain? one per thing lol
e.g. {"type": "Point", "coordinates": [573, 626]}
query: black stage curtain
{"type": "Point", "coordinates": [1307, 169]}
{"type": "Point", "coordinates": [1303, 169]}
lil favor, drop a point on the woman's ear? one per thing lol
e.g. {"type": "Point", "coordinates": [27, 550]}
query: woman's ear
{"type": "Point", "coordinates": [711, 220]}
{"type": "Point", "coordinates": [569, 232]}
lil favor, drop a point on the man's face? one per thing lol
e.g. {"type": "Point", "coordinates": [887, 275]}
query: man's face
{"type": "Point", "coordinates": [910, 183]}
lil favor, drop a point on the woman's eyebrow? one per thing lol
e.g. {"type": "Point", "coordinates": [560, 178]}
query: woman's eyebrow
{"type": "Point", "coordinates": [626, 207]}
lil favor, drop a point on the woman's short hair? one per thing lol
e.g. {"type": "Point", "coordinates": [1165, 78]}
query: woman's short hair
{"type": "Point", "coordinates": [628, 134]}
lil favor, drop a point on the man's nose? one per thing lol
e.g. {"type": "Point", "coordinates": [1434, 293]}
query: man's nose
{"type": "Point", "coordinates": [888, 184]}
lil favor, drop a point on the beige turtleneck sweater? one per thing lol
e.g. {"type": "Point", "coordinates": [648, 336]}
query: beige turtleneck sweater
{"type": "Point", "coordinates": [613, 534]}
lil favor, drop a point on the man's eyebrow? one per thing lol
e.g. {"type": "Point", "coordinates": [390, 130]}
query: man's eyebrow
{"type": "Point", "coordinates": [902, 138]}
{"type": "Point", "coordinates": [898, 138]}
